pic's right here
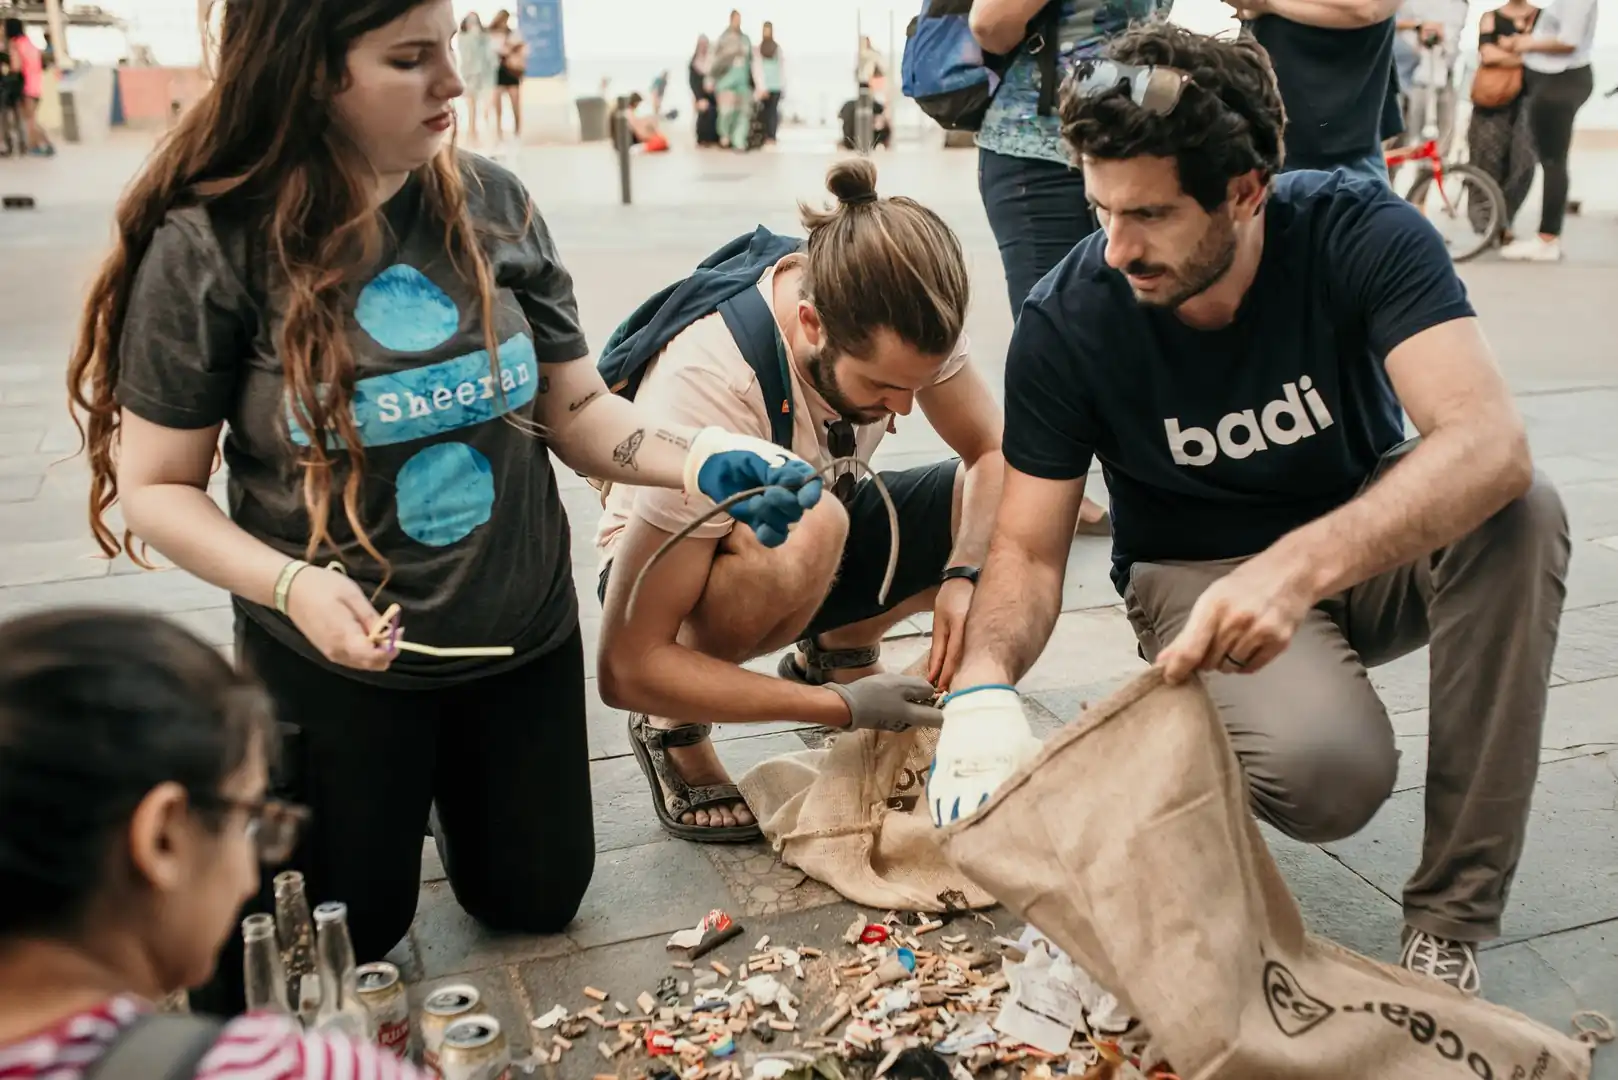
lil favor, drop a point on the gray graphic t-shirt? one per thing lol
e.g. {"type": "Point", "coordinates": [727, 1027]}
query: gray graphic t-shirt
{"type": "Point", "coordinates": [460, 501]}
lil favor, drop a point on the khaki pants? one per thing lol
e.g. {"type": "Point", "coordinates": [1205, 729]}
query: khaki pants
{"type": "Point", "coordinates": [1315, 741]}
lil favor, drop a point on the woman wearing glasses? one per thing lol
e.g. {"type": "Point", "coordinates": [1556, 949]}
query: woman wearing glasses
{"type": "Point", "coordinates": [133, 818]}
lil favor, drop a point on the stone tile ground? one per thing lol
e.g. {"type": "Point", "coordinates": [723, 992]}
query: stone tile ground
{"type": "Point", "coordinates": [1552, 328]}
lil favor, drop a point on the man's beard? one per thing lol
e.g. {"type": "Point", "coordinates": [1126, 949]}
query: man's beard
{"type": "Point", "coordinates": [1212, 259]}
{"type": "Point", "coordinates": [822, 371]}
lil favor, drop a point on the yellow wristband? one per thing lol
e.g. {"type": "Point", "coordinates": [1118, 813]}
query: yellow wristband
{"type": "Point", "coordinates": [283, 584]}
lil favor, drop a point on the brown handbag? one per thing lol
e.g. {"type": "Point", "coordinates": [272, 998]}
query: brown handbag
{"type": "Point", "coordinates": [1494, 87]}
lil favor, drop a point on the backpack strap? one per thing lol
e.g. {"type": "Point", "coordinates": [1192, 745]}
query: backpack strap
{"type": "Point", "coordinates": [159, 1046]}
{"type": "Point", "coordinates": [752, 324]}
{"type": "Point", "coordinates": [1046, 31]}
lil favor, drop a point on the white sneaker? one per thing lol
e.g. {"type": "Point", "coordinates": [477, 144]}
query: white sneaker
{"type": "Point", "coordinates": [1453, 962]}
{"type": "Point", "coordinates": [1532, 249]}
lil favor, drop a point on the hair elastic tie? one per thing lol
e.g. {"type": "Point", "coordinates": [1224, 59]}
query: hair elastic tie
{"type": "Point", "coordinates": [860, 199]}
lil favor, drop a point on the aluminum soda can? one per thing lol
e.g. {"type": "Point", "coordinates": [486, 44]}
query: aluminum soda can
{"type": "Point", "coordinates": [382, 993]}
{"type": "Point", "coordinates": [444, 1006]}
{"type": "Point", "coordinates": [474, 1048]}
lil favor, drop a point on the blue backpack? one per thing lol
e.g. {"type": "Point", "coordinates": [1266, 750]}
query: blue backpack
{"type": "Point", "coordinates": [726, 282]}
{"type": "Point", "coordinates": [949, 75]}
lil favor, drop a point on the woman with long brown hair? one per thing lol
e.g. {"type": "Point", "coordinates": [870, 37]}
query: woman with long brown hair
{"type": "Point", "coordinates": [511, 57]}
{"type": "Point", "coordinates": [384, 327]}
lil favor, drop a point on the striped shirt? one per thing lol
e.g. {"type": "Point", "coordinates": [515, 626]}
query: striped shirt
{"type": "Point", "coordinates": [254, 1047]}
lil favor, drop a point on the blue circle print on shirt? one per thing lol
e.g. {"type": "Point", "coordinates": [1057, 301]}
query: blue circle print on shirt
{"type": "Point", "coordinates": [444, 492]}
{"type": "Point", "coordinates": [404, 311]}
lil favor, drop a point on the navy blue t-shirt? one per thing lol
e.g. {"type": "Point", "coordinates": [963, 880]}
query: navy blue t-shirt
{"type": "Point", "coordinates": [1215, 443]}
{"type": "Point", "coordinates": [1337, 86]}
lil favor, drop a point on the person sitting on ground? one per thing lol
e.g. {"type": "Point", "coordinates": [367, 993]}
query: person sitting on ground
{"type": "Point", "coordinates": [643, 130]}
{"type": "Point", "coordinates": [867, 316]}
{"type": "Point", "coordinates": [133, 818]}
{"type": "Point", "coordinates": [1237, 347]}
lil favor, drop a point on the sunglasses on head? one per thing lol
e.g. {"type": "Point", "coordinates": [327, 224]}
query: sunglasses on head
{"type": "Point", "coordinates": [1155, 89]}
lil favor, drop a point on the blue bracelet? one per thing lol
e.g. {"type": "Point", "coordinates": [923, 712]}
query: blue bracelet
{"type": "Point", "coordinates": [953, 694]}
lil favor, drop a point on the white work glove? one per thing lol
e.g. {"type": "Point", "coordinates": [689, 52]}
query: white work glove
{"type": "Point", "coordinates": [721, 463]}
{"type": "Point", "coordinates": [985, 739]}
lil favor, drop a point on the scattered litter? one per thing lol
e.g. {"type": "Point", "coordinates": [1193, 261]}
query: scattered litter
{"type": "Point", "coordinates": [1043, 1008]}
{"type": "Point", "coordinates": [895, 1000]}
{"type": "Point", "coordinates": [551, 1019]}
{"type": "Point", "coordinates": [714, 930]}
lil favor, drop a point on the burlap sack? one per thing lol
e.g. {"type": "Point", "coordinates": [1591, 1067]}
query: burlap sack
{"type": "Point", "coordinates": [854, 816]}
{"type": "Point", "coordinates": [1129, 843]}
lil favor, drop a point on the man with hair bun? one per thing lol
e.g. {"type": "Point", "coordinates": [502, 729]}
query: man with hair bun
{"type": "Point", "coordinates": [866, 317]}
{"type": "Point", "coordinates": [1240, 350]}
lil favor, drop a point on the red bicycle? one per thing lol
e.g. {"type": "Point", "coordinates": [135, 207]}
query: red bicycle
{"type": "Point", "coordinates": [1470, 209]}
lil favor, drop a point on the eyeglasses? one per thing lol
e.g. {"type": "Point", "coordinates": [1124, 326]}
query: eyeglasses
{"type": "Point", "coordinates": [273, 826]}
{"type": "Point", "coordinates": [841, 443]}
{"type": "Point", "coordinates": [1155, 89]}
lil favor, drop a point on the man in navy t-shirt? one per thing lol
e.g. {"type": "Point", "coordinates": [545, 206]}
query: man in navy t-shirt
{"type": "Point", "coordinates": [1239, 349]}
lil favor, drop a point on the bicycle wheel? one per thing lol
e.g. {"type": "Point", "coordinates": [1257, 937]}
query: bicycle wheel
{"type": "Point", "coordinates": [1468, 209]}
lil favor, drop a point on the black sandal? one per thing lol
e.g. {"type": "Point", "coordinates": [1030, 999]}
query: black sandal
{"type": "Point", "coordinates": [819, 663]}
{"type": "Point", "coordinates": [672, 796]}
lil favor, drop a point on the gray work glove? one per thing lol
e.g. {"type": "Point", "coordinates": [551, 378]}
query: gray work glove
{"type": "Point", "coordinates": [890, 703]}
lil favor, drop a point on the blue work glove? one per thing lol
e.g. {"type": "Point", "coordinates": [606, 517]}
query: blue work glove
{"type": "Point", "coordinates": [722, 463]}
{"type": "Point", "coordinates": [986, 738]}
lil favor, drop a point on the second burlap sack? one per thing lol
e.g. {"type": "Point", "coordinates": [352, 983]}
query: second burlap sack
{"type": "Point", "coordinates": [853, 817]}
{"type": "Point", "coordinates": [1129, 843]}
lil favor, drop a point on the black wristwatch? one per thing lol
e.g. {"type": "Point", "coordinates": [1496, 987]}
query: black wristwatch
{"type": "Point", "coordinates": [970, 573]}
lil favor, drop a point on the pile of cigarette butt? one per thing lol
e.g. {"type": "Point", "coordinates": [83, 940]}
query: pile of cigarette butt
{"type": "Point", "coordinates": [903, 998]}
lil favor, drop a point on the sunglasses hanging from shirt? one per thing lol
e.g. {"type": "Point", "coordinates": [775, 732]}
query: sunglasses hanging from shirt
{"type": "Point", "coordinates": [1155, 89]}
{"type": "Point", "coordinates": [841, 443]}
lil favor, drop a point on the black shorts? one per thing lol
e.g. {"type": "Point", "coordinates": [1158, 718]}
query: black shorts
{"type": "Point", "coordinates": [506, 77]}
{"type": "Point", "coordinates": [924, 498]}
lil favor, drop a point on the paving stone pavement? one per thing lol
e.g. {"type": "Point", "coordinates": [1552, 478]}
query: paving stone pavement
{"type": "Point", "coordinates": [1551, 326]}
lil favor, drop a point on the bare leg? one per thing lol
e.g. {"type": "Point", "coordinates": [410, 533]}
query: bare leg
{"type": "Point", "coordinates": [37, 139]}
{"type": "Point", "coordinates": [516, 110]}
{"type": "Point", "coordinates": [757, 600]}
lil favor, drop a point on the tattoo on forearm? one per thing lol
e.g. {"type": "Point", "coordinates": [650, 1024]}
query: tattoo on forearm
{"type": "Point", "coordinates": [544, 384]}
{"type": "Point", "coordinates": [671, 437]}
{"type": "Point", "coordinates": [624, 454]}
{"type": "Point", "coordinates": [583, 401]}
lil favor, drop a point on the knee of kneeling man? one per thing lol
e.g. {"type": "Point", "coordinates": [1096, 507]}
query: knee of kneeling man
{"type": "Point", "coordinates": [1537, 520]}
{"type": "Point", "coordinates": [1330, 790]}
{"type": "Point", "coordinates": [815, 544]}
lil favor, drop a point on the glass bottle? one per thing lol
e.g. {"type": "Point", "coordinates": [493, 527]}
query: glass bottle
{"type": "Point", "coordinates": [266, 979]}
{"type": "Point", "coordinates": [295, 931]}
{"type": "Point", "coordinates": [340, 1006]}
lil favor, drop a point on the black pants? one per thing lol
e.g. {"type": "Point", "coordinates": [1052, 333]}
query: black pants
{"type": "Point", "coordinates": [1037, 211]}
{"type": "Point", "coordinates": [771, 108]}
{"type": "Point", "coordinates": [505, 760]}
{"type": "Point", "coordinates": [1553, 101]}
